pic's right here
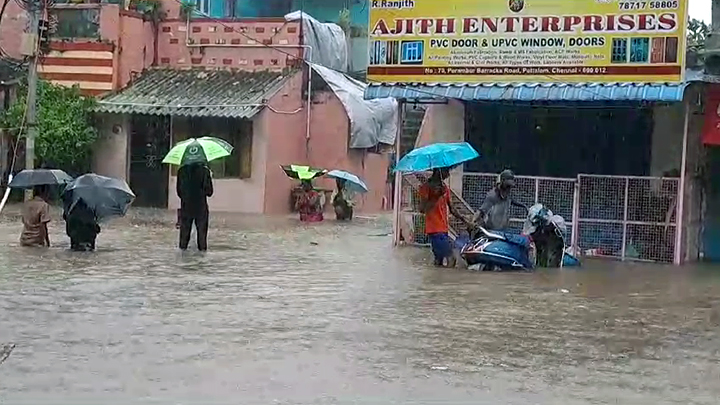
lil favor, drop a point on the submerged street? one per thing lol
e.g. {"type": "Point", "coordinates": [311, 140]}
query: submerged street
{"type": "Point", "coordinates": [280, 313]}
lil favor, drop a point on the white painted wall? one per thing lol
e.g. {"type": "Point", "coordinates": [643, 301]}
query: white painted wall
{"type": "Point", "coordinates": [110, 155]}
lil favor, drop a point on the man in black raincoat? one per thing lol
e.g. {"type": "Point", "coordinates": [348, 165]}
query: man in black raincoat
{"type": "Point", "coordinates": [194, 186]}
{"type": "Point", "coordinates": [81, 226]}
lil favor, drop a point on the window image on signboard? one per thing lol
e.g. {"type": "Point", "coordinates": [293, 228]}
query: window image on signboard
{"type": "Point", "coordinates": [412, 52]}
{"type": "Point", "coordinates": [657, 50]}
{"type": "Point", "coordinates": [639, 49]}
{"type": "Point", "coordinates": [619, 50]}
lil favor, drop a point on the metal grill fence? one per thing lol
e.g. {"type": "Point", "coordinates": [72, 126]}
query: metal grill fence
{"type": "Point", "coordinates": [555, 193]}
{"type": "Point", "coordinates": [412, 221]}
{"type": "Point", "coordinates": [629, 218]}
{"type": "Point", "coordinates": [624, 217]}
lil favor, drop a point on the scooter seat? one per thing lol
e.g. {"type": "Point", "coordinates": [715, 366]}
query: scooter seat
{"type": "Point", "coordinates": [516, 239]}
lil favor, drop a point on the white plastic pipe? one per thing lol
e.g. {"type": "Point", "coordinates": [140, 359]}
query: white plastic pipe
{"type": "Point", "coordinates": [7, 194]}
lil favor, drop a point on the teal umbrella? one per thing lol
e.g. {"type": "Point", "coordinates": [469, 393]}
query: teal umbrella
{"type": "Point", "coordinates": [436, 156]}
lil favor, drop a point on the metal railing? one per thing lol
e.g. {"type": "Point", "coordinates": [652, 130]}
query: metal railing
{"type": "Point", "coordinates": [627, 217]}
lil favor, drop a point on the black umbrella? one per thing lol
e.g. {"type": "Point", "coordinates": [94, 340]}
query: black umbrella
{"type": "Point", "coordinates": [106, 196]}
{"type": "Point", "coordinates": [39, 177]}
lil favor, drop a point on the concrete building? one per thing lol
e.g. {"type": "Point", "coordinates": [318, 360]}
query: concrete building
{"type": "Point", "coordinates": [621, 163]}
{"type": "Point", "coordinates": [234, 77]}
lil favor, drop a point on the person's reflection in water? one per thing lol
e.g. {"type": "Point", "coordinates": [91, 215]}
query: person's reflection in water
{"type": "Point", "coordinates": [81, 225]}
{"type": "Point", "coordinates": [194, 186]}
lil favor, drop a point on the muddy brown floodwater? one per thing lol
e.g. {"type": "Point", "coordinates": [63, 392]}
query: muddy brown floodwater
{"type": "Point", "coordinates": [279, 313]}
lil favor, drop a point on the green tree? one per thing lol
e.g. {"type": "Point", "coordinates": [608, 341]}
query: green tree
{"type": "Point", "coordinates": [65, 127]}
{"type": "Point", "coordinates": [697, 33]}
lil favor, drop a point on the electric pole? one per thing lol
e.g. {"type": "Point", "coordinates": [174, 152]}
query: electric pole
{"type": "Point", "coordinates": [32, 88]}
{"type": "Point", "coordinates": [712, 42]}
{"type": "Point", "coordinates": [31, 120]}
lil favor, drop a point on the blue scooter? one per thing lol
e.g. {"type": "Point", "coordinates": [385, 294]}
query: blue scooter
{"type": "Point", "coordinates": [542, 243]}
{"type": "Point", "coordinates": [498, 251]}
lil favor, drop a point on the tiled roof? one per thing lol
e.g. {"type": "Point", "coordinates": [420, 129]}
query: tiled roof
{"type": "Point", "coordinates": [196, 93]}
{"type": "Point", "coordinates": [538, 92]}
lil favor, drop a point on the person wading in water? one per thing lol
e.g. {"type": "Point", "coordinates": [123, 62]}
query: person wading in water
{"type": "Point", "coordinates": [494, 214]}
{"type": "Point", "coordinates": [436, 203]}
{"type": "Point", "coordinates": [194, 186]}
{"type": "Point", "coordinates": [309, 203]}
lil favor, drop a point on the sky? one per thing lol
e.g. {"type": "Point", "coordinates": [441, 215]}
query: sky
{"type": "Point", "coordinates": [700, 9]}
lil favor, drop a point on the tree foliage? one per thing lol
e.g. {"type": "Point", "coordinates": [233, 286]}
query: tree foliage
{"type": "Point", "coordinates": [65, 128]}
{"type": "Point", "coordinates": [697, 33]}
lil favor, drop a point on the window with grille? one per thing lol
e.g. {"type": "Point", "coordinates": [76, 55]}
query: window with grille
{"type": "Point", "coordinates": [238, 133]}
{"type": "Point", "coordinates": [202, 7]}
{"type": "Point", "coordinates": [619, 50]}
{"type": "Point", "coordinates": [639, 49]}
{"type": "Point", "coordinates": [412, 52]}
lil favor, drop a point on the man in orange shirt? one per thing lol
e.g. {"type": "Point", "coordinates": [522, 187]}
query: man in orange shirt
{"type": "Point", "coordinates": [435, 196]}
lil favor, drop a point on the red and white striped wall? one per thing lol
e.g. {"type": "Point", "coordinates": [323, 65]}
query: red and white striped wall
{"type": "Point", "coordinates": [89, 65]}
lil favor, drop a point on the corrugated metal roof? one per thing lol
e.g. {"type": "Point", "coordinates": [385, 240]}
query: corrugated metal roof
{"type": "Point", "coordinates": [537, 92]}
{"type": "Point", "coordinates": [196, 93]}
{"type": "Point", "coordinates": [531, 92]}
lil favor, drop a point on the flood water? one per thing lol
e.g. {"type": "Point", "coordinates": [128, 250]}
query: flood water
{"type": "Point", "coordinates": [280, 313]}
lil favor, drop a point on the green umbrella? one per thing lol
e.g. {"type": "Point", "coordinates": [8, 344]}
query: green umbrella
{"type": "Point", "coordinates": [303, 172]}
{"type": "Point", "coordinates": [198, 150]}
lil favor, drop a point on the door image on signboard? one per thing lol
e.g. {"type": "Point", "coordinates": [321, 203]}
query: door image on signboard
{"type": "Point", "coordinates": [392, 57]}
{"type": "Point", "coordinates": [657, 50]}
{"type": "Point", "coordinates": [671, 50]}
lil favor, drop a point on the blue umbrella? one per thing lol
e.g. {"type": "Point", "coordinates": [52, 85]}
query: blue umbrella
{"type": "Point", "coordinates": [353, 182]}
{"type": "Point", "coordinates": [436, 156]}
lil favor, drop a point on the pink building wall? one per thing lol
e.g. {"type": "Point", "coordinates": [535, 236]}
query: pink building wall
{"type": "Point", "coordinates": [240, 44]}
{"type": "Point", "coordinates": [327, 148]}
{"type": "Point", "coordinates": [279, 138]}
{"type": "Point", "coordinates": [234, 44]}
{"type": "Point", "coordinates": [134, 42]}
{"type": "Point", "coordinates": [329, 141]}
{"type": "Point", "coordinates": [238, 195]}
{"type": "Point", "coordinates": [287, 144]}
{"type": "Point", "coordinates": [13, 24]}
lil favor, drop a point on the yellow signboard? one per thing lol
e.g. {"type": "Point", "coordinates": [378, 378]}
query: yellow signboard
{"type": "Point", "coordinates": [503, 41]}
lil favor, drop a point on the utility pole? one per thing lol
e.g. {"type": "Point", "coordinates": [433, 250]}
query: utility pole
{"type": "Point", "coordinates": [712, 43]}
{"type": "Point", "coordinates": [32, 43]}
{"type": "Point", "coordinates": [32, 88]}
